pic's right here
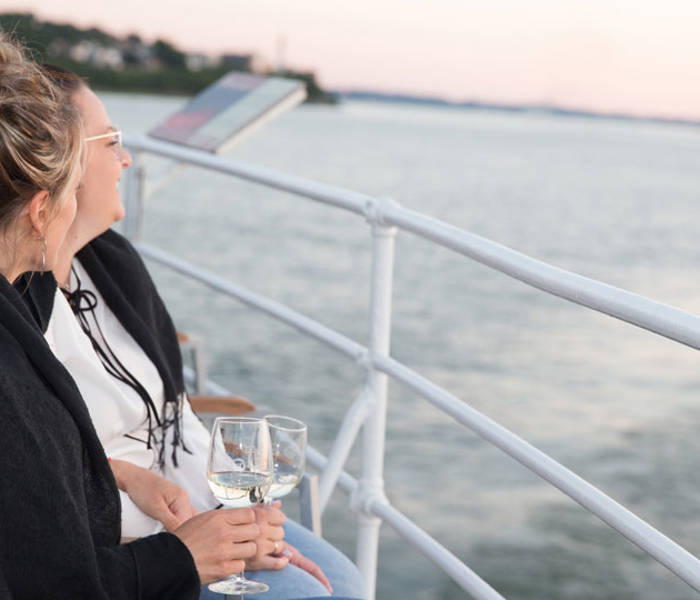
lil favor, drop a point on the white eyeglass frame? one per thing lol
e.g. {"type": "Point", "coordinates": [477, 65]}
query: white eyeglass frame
{"type": "Point", "coordinates": [102, 136]}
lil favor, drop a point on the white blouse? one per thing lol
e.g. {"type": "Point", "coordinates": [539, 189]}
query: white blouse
{"type": "Point", "coordinates": [117, 410]}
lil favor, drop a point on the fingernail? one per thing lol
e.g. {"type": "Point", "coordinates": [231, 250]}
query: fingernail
{"type": "Point", "coordinates": [286, 552]}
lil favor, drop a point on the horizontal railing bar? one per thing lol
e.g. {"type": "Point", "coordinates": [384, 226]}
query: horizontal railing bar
{"type": "Point", "coordinates": [460, 573]}
{"type": "Point", "coordinates": [653, 542]}
{"type": "Point", "coordinates": [663, 549]}
{"type": "Point", "coordinates": [659, 318]}
{"type": "Point", "coordinates": [313, 328]}
{"type": "Point", "coordinates": [656, 317]}
{"type": "Point", "coordinates": [467, 579]}
{"type": "Point", "coordinates": [328, 194]}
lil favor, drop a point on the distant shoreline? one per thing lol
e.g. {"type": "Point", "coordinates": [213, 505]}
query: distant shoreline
{"type": "Point", "coordinates": [427, 101]}
{"type": "Point", "coordinates": [510, 108]}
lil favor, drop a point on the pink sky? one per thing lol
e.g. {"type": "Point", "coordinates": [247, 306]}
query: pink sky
{"type": "Point", "coordinates": [633, 56]}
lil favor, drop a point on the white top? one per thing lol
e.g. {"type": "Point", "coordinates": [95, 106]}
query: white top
{"type": "Point", "coordinates": [116, 409]}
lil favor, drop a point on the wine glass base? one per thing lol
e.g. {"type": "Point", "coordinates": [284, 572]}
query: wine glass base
{"type": "Point", "coordinates": [238, 586]}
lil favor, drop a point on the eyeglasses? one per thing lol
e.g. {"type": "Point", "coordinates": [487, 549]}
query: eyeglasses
{"type": "Point", "coordinates": [116, 139]}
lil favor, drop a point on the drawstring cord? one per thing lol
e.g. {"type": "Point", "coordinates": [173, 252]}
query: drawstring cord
{"type": "Point", "coordinates": [83, 304]}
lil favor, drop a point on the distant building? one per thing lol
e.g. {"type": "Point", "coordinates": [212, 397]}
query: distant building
{"type": "Point", "coordinates": [135, 52]}
{"type": "Point", "coordinates": [96, 54]}
{"type": "Point", "coordinates": [253, 63]}
{"type": "Point", "coordinates": [81, 51]}
{"type": "Point", "coordinates": [108, 57]}
{"type": "Point", "coordinates": [197, 62]}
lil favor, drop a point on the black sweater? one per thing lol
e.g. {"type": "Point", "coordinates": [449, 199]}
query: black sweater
{"type": "Point", "coordinates": [59, 506]}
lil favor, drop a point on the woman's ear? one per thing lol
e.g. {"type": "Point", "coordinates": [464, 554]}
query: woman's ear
{"type": "Point", "coordinates": [38, 212]}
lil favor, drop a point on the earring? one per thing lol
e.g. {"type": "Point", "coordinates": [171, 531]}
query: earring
{"type": "Point", "coordinates": [43, 251]}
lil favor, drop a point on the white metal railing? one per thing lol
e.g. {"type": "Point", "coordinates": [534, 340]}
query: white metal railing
{"type": "Point", "coordinates": [368, 411]}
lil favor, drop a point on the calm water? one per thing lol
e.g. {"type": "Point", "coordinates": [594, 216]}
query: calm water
{"type": "Point", "coordinates": [612, 200]}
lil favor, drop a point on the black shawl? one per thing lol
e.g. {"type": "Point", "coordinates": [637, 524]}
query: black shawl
{"type": "Point", "coordinates": [122, 279]}
{"type": "Point", "coordinates": [59, 506]}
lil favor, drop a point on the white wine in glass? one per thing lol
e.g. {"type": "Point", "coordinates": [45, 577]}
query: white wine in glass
{"type": "Point", "coordinates": [288, 437]}
{"type": "Point", "coordinates": [239, 473]}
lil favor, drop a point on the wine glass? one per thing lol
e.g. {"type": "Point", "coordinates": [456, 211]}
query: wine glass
{"type": "Point", "coordinates": [288, 438]}
{"type": "Point", "coordinates": [239, 473]}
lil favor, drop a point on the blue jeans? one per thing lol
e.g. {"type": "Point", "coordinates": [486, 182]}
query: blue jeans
{"type": "Point", "coordinates": [293, 583]}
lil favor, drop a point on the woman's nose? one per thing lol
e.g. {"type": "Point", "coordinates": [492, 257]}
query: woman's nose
{"type": "Point", "coordinates": [125, 158]}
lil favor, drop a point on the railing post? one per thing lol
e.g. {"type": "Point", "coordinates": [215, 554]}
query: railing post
{"type": "Point", "coordinates": [371, 483]}
{"type": "Point", "coordinates": [132, 227]}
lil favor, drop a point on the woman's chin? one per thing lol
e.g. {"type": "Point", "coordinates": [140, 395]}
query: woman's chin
{"type": "Point", "coordinates": [120, 213]}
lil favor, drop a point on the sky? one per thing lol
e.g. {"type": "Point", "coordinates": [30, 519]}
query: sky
{"type": "Point", "coordinates": [639, 57]}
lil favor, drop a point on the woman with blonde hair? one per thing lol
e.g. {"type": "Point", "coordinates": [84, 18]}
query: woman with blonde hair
{"type": "Point", "coordinates": [122, 351]}
{"type": "Point", "coordinates": [59, 505]}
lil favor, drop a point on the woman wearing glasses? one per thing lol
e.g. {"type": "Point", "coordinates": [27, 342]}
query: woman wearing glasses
{"type": "Point", "coordinates": [59, 506]}
{"type": "Point", "coordinates": [125, 357]}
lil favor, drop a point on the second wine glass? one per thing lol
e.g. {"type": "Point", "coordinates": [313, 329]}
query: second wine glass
{"type": "Point", "coordinates": [288, 437]}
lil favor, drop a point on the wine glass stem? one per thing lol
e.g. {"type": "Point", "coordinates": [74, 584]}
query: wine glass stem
{"type": "Point", "coordinates": [241, 576]}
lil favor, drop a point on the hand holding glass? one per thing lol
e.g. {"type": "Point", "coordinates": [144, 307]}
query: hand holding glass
{"type": "Point", "coordinates": [239, 473]}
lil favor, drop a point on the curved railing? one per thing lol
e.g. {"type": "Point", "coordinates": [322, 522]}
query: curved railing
{"type": "Point", "coordinates": [368, 411]}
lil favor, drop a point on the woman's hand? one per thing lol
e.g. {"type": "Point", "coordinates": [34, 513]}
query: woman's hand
{"type": "Point", "coordinates": [219, 541]}
{"type": "Point", "coordinates": [270, 520]}
{"type": "Point", "coordinates": [273, 552]}
{"type": "Point", "coordinates": [157, 497]}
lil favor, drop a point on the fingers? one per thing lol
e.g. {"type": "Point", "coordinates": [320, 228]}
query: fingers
{"type": "Point", "coordinates": [275, 547]}
{"type": "Point", "coordinates": [237, 516]}
{"type": "Point", "coordinates": [301, 561]}
{"type": "Point", "coordinates": [269, 555]}
{"type": "Point", "coordinates": [270, 540]}
{"type": "Point", "coordinates": [171, 515]}
{"type": "Point", "coordinates": [268, 536]}
{"type": "Point", "coordinates": [244, 550]}
{"type": "Point", "coordinates": [315, 570]}
{"type": "Point", "coordinates": [219, 540]}
{"type": "Point", "coordinates": [170, 521]}
{"type": "Point", "coordinates": [277, 518]}
{"type": "Point", "coordinates": [216, 526]}
{"type": "Point", "coordinates": [274, 563]}
{"type": "Point", "coordinates": [275, 534]}
{"type": "Point", "coordinates": [243, 533]}
{"type": "Point", "coordinates": [181, 505]}
{"type": "Point", "coordinates": [269, 514]}
{"type": "Point", "coordinates": [180, 510]}
{"type": "Point", "coordinates": [324, 580]}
